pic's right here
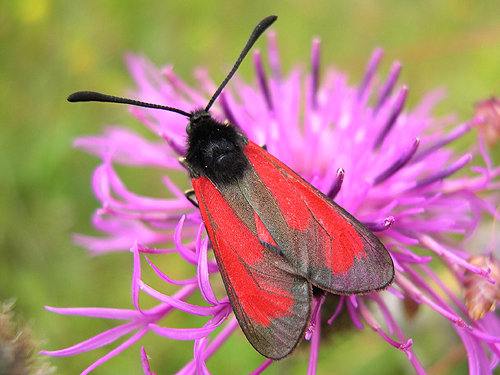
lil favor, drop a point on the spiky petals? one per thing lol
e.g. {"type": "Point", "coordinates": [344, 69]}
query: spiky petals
{"type": "Point", "coordinates": [142, 321]}
{"type": "Point", "coordinates": [388, 166]}
{"type": "Point", "coordinates": [145, 362]}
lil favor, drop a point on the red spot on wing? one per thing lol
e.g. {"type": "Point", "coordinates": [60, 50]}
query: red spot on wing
{"type": "Point", "coordinates": [251, 285]}
{"type": "Point", "coordinates": [340, 242]}
{"type": "Point", "coordinates": [296, 213]}
{"type": "Point", "coordinates": [263, 233]}
{"type": "Point", "coordinates": [335, 242]}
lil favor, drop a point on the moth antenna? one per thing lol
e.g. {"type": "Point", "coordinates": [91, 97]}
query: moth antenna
{"type": "Point", "coordinates": [92, 96]}
{"type": "Point", "coordinates": [256, 33]}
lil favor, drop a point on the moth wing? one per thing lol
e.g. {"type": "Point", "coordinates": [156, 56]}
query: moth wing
{"type": "Point", "coordinates": [271, 303]}
{"type": "Point", "coordinates": [323, 242]}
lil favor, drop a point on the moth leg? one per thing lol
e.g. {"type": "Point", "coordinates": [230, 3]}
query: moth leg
{"type": "Point", "coordinates": [189, 194]}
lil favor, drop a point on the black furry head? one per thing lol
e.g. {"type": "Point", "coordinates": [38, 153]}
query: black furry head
{"type": "Point", "coordinates": [215, 149]}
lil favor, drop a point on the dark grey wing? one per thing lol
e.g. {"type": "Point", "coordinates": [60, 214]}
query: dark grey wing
{"type": "Point", "coordinates": [322, 241]}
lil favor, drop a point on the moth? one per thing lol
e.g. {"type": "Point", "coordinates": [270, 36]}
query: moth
{"type": "Point", "coordinates": [274, 235]}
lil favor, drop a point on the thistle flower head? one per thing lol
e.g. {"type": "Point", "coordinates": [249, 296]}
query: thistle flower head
{"type": "Point", "coordinates": [391, 168]}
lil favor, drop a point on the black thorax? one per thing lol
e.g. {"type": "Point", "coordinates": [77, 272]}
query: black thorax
{"type": "Point", "coordinates": [215, 150]}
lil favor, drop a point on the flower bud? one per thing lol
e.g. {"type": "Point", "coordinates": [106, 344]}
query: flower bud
{"type": "Point", "coordinates": [480, 294]}
{"type": "Point", "coordinates": [490, 126]}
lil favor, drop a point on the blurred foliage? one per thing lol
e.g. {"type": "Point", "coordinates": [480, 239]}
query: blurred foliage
{"type": "Point", "coordinates": [50, 48]}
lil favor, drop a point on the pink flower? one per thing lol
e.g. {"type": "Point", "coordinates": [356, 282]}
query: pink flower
{"type": "Point", "coordinates": [390, 168]}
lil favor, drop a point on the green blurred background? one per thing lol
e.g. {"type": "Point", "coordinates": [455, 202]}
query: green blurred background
{"type": "Point", "coordinates": [50, 48]}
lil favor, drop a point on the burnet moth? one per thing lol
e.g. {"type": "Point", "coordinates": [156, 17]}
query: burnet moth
{"type": "Point", "coordinates": [274, 235]}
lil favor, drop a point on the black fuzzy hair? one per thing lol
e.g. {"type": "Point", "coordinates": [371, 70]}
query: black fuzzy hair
{"type": "Point", "coordinates": [215, 150]}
